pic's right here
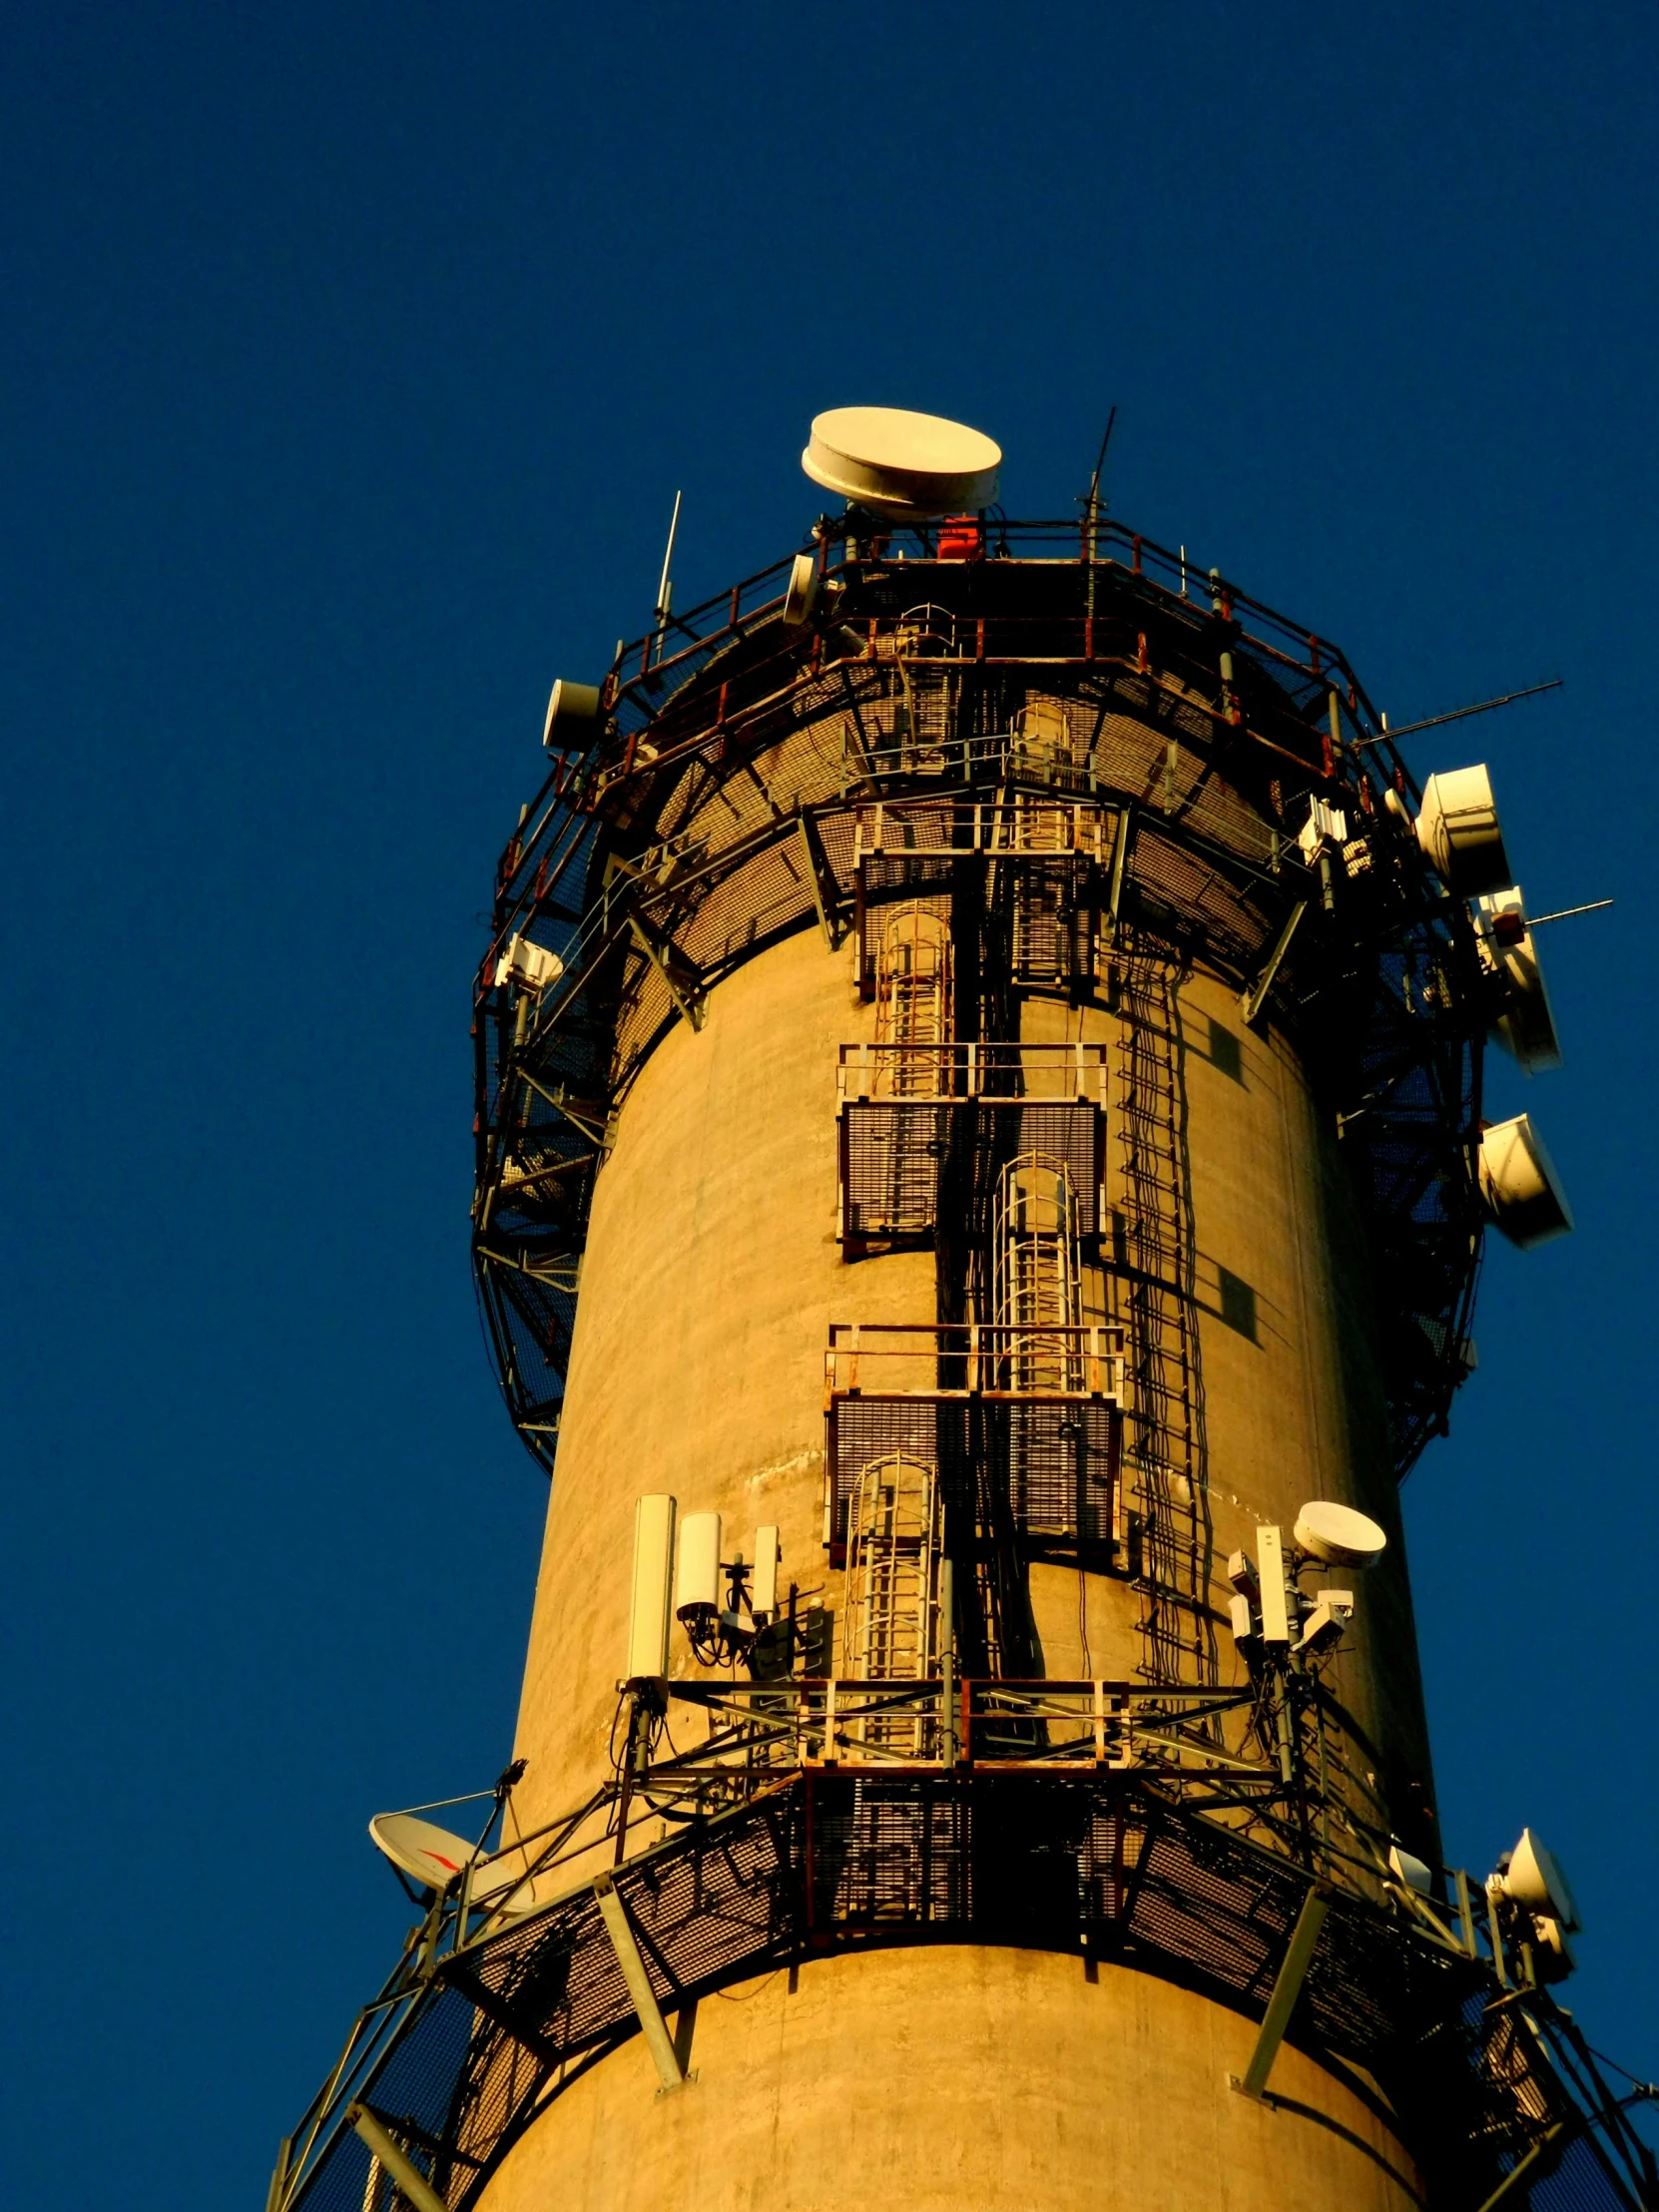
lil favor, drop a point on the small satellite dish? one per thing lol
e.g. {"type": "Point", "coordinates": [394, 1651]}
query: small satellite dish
{"type": "Point", "coordinates": [1534, 1880]}
{"type": "Point", "coordinates": [902, 465]}
{"type": "Point", "coordinates": [1337, 1536]}
{"type": "Point", "coordinates": [801, 596]}
{"type": "Point", "coordinates": [432, 1856]}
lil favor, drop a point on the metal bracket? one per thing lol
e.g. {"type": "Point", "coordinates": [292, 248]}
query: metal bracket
{"type": "Point", "coordinates": [1292, 1972]}
{"type": "Point", "coordinates": [826, 896]}
{"type": "Point", "coordinates": [685, 985]}
{"type": "Point", "coordinates": [396, 2160]}
{"type": "Point", "coordinates": [643, 1999]}
{"type": "Point", "coordinates": [1252, 999]}
{"type": "Point", "coordinates": [279, 2176]}
{"type": "Point", "coordinates": [1120, 861]}
{"type": "Point", "coordinates": [1523, 2169]}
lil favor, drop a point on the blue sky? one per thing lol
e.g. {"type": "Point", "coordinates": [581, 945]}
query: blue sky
{"type": "Point", "coordinates": [353, 358]}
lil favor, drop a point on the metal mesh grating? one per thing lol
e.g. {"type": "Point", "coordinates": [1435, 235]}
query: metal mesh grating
{"type": "Point", "coordinates": [1056, 1461]}
{"type": "Point", "coordinates": [1058, 1466]}
{"type": "Point", "coordinates": [894, 1151]}
{"type": "Point", "coordinates": [1095, 1862]}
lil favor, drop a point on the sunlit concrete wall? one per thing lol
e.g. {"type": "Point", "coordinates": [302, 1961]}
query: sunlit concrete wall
{"type": "Point", "coordinates": [956, 2075]}
{"type": "Point", "coordinates": [944, 2079]}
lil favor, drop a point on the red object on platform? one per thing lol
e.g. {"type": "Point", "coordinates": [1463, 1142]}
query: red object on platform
{"type": "Point", "coordinates": [961, 538]}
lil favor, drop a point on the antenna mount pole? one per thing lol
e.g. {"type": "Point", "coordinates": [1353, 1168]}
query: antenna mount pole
{"type": "Point", "coordinates": [665, 589]}
{"type": "Point", "coordinates": [1091, 505]}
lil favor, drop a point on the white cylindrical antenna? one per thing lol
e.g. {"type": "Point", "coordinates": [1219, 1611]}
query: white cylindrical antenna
{"type": "Point", "coordinates": [697, 1586]}
{"type": "Point", "coordinates": [648, 1612]}
{"type": "Point", "coordinates": [762, 1600]}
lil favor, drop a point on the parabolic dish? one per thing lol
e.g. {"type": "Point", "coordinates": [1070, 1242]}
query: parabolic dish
{"type": "Point", "coordinates": [433, 1857]}
{"type": "Point", "coordinates": [902, 465]}
{"type": "Point", "coordinates": [1519, 1182]}
{"type": "Point", "coordinates": [1337, 1535]}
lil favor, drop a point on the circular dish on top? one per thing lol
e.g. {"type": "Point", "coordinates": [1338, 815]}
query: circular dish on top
{"type": "Point", "coordinates": [902, 465]}
{"type": "Point", "coordinates": [1337, 1535]}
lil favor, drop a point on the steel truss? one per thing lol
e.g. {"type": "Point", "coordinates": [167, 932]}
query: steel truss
{"type": "Point", "coordinates": [484, 2021]}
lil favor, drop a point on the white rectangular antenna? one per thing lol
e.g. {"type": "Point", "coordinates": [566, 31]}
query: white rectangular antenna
{"type": "Point", "coordinates": [1270, 1560]}
{"type": "Point", "coordinates": [648, 1612]}
{"type": "Point", "coordinates": [764, 1595]}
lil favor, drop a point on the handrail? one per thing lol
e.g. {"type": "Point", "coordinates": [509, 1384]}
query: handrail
{"type": "Point", "coordinates": [1172, 575]}
{"type": "Point", "coordinates": [995, 1074]}
{"type": "Point", "coordinates": [903, 1360]}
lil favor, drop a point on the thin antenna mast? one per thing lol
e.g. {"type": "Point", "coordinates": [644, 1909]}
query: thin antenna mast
{"type": "Point", "coordinates": [1091, 505]}
{"type": "Point", "coordinates": [1100, 463]}
{"type": "Point", "coordinates": [1459, 714]}
{"type": "Point", "coordinates": [1566, 913]}
{"type": "Point", "coordinates": [664, 589]}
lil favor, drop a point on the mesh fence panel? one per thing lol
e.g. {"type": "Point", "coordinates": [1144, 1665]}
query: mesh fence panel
{"type": "Point", "coordinates": [1050, 1863]}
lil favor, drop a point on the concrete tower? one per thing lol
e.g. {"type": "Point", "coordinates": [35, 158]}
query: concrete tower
{"type": "Point", "coordinates": [992, 1031]}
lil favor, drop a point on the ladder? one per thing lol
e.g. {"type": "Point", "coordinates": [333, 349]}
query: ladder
{"type": "Point", "coordinates": [1154, 1262]}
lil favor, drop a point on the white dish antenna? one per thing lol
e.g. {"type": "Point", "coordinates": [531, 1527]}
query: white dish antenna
{"type": "Point", "coordinates": [1459, 832]}
{"type": "Point", "coordinates": [1519, 1185]}
{"type": "Point", "coordinates": [524, 963]}
{"type": "Point", "coordinates": [1409, 1871]}
{"type": "Point", "coordinates": [1337, 1536]}
{"type": "Point", "coordinates": [1526, 1028]}
{"type": "Point", "coordinates": [801, 596]}
{"type": "Point", "coordinates": [433, 1857]}
{"type": "Point", "coordinates": [901, 464]}
{"type": "Point", "coordinates": [572, 715]}
{"type": "Point", "coordinates": [1534, 1877]}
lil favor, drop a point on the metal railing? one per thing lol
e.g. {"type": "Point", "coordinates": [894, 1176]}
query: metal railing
{"type": "Point", "coordinates": [991, 1074]}
{"type": "Point", "coordinates": [944, 1361]}
{"type": "Point", "coordinates": [1015, 826]}
{"type": "Point", "coordinates": [671, 653]}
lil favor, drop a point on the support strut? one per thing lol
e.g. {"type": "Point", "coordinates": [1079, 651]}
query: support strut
{"type": "Point", "coordinates": [642, 1996]}
{"type": "Point", "coordinates": [396, 2161]}
{"type": "Point", "coordinates": [1299, 1956]}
